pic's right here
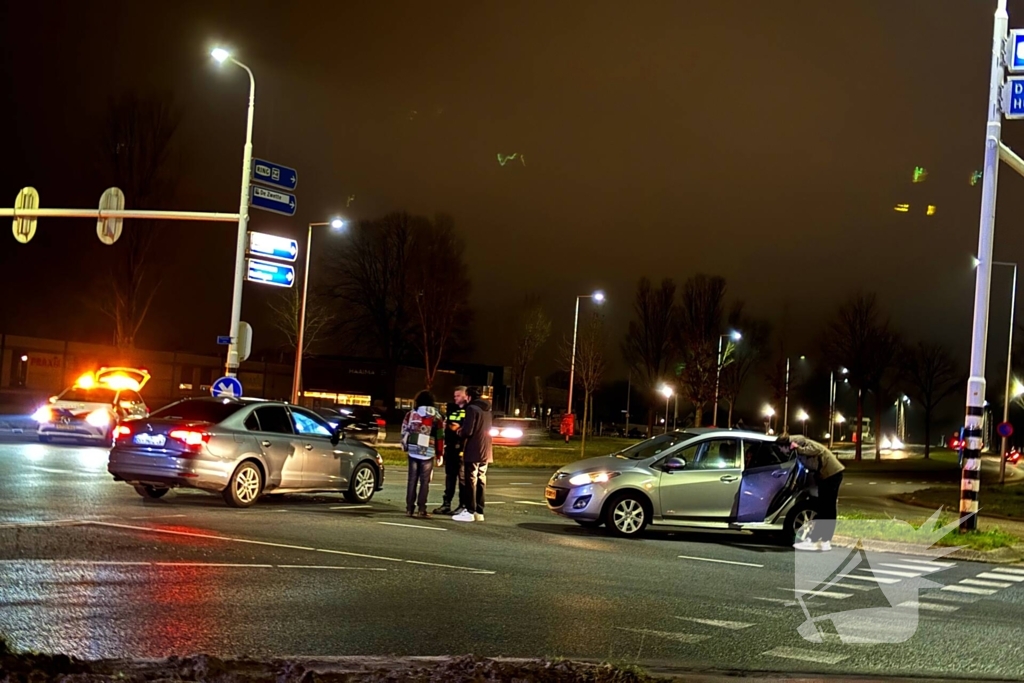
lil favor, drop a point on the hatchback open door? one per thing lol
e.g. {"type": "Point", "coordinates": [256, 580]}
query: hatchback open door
{"type": "Point", "coordinates": [767, 478]}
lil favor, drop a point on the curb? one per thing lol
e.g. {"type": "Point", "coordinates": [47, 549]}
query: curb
{"type": "Point", "coordinates": [998, 556]}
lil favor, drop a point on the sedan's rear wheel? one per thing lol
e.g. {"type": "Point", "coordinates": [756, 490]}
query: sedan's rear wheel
{"type": "Point", "coordinates": [151, 492]}
{"type": "Point", "coordinates": [244, 487]}
{"type": "Point", "coordinates": [627, 515]}
{"type": "Point", "coordinates": [363, 484]}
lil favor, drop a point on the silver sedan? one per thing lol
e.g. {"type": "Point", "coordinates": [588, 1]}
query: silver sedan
{"type": "Point", "coordinates": [241, 448]}
{"type": "Point", "coordinates": [710, 478]}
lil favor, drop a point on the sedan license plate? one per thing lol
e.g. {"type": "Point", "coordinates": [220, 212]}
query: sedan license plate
{"type": "Point", "coordinates": [150, 439]}
{"type": "Point", "coordinates": [550, 493]}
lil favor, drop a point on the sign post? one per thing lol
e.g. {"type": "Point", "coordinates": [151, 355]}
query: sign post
{"type": "Point", "coordinates": [109, 229]}
{"type": "Point", "coordinates": [25, 228]}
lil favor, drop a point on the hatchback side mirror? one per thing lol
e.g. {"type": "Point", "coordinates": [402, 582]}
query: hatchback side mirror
{"type": "Point", "coordinates": [675, 464]}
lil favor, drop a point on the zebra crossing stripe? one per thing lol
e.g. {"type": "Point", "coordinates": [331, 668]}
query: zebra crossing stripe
{"type": "Point", "coordinates": [815, 656]}
{"type": "Point", "coordinates": [1001, 577]}
{"type": "Point", "coordinates": [1009, 570]}
{"type": "Point", "coordinates": [987, 584]}
{"type": "Point", "coordinates": [928, 606]}
{"type": "Point", "coordinates": [969, 589]}
{"type": "Point", "coordinates": [823, 594]}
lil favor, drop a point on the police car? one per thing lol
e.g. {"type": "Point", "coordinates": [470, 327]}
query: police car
{"type": "Point", "coordinates": [91, 408]}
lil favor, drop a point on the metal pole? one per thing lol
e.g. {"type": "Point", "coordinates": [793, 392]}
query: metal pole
{"type": "Point", "coordinates": [785, 408]}
{"type": "Point", "coordinates": [970, 481]}
{"type": "Point", "coordinates": [297, 376]}
{"type": "Point", "coordinates": [629, 390]}
{"type": "Point", "coordinates": [572, 361]}
{"type": "Point", "coordinates": [831, 409]}
{"type": "Point", "coordinates": [146, 214]}
{"type": "Point", "coordinates": [668, 399]}
{"type": "Point", "coordinates": [718, 379]}
{"type": "Point", "coordinates": [231, 368]}
{"type": "Point", "coordinates": [1006, 392]}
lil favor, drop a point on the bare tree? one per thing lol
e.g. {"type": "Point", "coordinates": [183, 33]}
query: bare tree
{"type": "Point", "coordinates": [534, 331]}
{"type": "Point", "coordinates": [648, 345]}
{"type": "Point", "coordinates": [745, 356]}
{"type": "Point", "coordinates": [932, 376]}
{"type": "Point", "coordinates": [439, 285]}
{"type": "Point", "coordinates": [700, 324]}
{"type": "Point", "coordinates": [286, 310]}
{"type": "Point", "coordinates": [590, 364]}
{"type": "Point", "coordinates": [136, 145]}
{"type": "Point", "coordinates": [859, 340]}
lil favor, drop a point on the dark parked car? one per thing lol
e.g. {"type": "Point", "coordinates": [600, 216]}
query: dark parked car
{"type": "Point", "coordinates": [357, 422]}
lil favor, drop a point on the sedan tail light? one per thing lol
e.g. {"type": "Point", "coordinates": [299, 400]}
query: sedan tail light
{"type": "Point", "coordinates": [381, 423]}
{"type": "Point", "coordinates": [193, 440]}
{"type": "Point", "coordinates": [122, 431]}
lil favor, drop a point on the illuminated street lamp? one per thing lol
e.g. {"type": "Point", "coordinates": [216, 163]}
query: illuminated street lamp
{"type": "Point", "coordinates": [803, 417]}
{"type": "Point", "coordinates": [221, 55]}
{"type": "Point", "coordinates": [768, 413]}
{"type": "Point", "coordinates": [734, 336]}
{"type": "Point", "coordinates": [337, 224]}
{"type": "Point", "coordinates": [598, 297]}
{"type": "Point", "coordinates": [667, 392]}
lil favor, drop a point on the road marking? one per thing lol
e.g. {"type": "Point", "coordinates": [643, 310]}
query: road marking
{"type": "Point", "coordinates": [521, 483]}
{"type": "Point", "coordinates": [1001, 577]}
{"type": "Point", "coordinates": [890, 572]}
{"type": "Point", "coordinates": [950, 597]}
{"type": "Point", "coordinates": [775, 600]}
{"type": "Point", "coordinates": [413, 526]}
{"type": "Point", "coordinates": [907, 566]}
{"type": "Point", "coordinates": [496, 502]}
{"type": "Point", "coordinates": [968, 589]}
{"type": "Point", "coordinates": [1008, 570]}
{"type": "Point", "coordinates": [720, 623]}
{"type": "Point", "coordinates": [51, 470]}
{"type": "Point", "coordinates": [235, 565]}
{"type": "Point", "coordinates": [329, 566]}
{"type": "Point", "coordinates": [855, 586]}
{"type": "Point", "coordinates": [987, 584]}
{"type": "Point", "coordinates": [928, 606]}
{"type": "Point", "coordinates": [926, 563]}
{"type": "Point", "coordinates": [671, 635]}
{"type": "Point", "coordinates": [530, 502]}
{"type": "Point", "coordinates": [872, 483]}
{"type": "Point", "coordinates": [211, 564]}
{"type": "Point", "coordinates": [351, 507]}
{"type": "Point", "coordinates": [805, 655]}
{"type": "Point", "coordinates": [711, 559]}
{"type": "Point", "coordinates": [875, 579]}
{"type": "Point", "coordinates": [824, 594]}
{"type": "Point", "coordinates": [56, 522]}
{"type": "Point", "coordinates": [88, 563]}
{"type": "Point", "coordinates": [346, 553]}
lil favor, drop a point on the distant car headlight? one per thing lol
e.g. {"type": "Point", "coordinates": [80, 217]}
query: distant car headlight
{"type": "Point", "coordinates": [511, 433]}
{"type": "Point", "coordinates": [592, 478]}
{"type": "Point", "coordinates": [44, 414]}
{"type": "Point", "coordinates": [99, 417]}
{"type": "Point", "coordinates": [494, 431]}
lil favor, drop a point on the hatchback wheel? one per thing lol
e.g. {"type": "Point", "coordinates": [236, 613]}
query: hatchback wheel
{"type": "Point", "coordinates": [151, 492]}
{"type": "Point", "coordinates": [362, 485]}
{"type": "Point", "coordinates": [627, 515]}
{"type": "Point", "coordinates": [244, 487]}
{"type": "Point", "coordinates": [589, 523]}
{"type": "Point", "coordinates": [800, 523]}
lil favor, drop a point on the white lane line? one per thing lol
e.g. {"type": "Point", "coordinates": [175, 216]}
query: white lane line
{"type": "Point", "coordinates": [1008, 570]}
{"type": "Point", "coordinates": [720, 623]}
{"type": "Point", "coordinates": [969, 589]}
{"type": "Point", "coordinates": [1000, 577]}
{"type": "Point", "coordinates": [775, 600]}
{"type": "Point", "coordinates": [926, 563]}
{"type": "Point", "coordinates": [51, 470]}
{"type": "Point", "coordinates": [522, 483]}
{"type": "Point", "coordinates": [413, 526]}
{"type": "Point", "coordinates": [346, 553]}
{"type": "Point", "coordinates": [212, 564]}
{"type": "Point", "coordinates": [928, 606]}
{"type": "Point", "coordinates": [912, 567]}
{"type": "Point", "coordinates": [855, 586]}
{"type": "Point", "coordinates": [890, 572]}
{"type": "Point", "coordinates": [530, 502]}
{"type": "Point", "coordinates": [872, 483]}
{"type": "Point", "coordinates": [823, 594]}
{"type": "Point", "coordinates": [56, 522]}
{"type": "Point", "coordinates": [986, 584]}
{"type": "Point", "coordinates": [496, 502]}
{"type": "Point", "coordinates": [873, 579]}
{"type": "Point", "coordinates": [235, 565]}
{"type": "Point", "coordinates": [805, 655]}
{"type": "Point", "coordinates": [951, 597]}
{"type": "Point", "coordinates": [350, 507]}
{"type": "Point", "coordinates": [711, 559]}
{"type": "Point", "coordinates": [328, 566]}
{"type": "Point", "coordinates": [670, 635]}
{"type": "Point", "coordinates": [87, 563]}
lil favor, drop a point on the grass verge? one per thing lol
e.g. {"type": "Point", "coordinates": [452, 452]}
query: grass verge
{"type": "Point", "coordinates": [1005, 501]}
{"type": "Point", "coordinates": [552, 454]}
{"type": "Point", "coordinates": [878, 527]}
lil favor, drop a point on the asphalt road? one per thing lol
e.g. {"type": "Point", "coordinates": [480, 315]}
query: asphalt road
{"type": "Point", "coordinates": [90, 569]}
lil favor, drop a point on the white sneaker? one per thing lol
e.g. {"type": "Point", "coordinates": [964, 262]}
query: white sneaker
{"type": "Point", "coordinates": [825, 546]}
{"type": "Point", "coordinates": [808, 545]}
{"type": "Point", "coordinates": [464, 516]}
{"type": "Point", "coordinates": [477, 517]}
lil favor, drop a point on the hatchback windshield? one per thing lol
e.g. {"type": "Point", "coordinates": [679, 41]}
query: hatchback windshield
{"type": "Point", "coordinates": [198, 411]}
{"type": "Point", "coordinates": [96, 395]}
{"type": "Point", "coordinates": [652, 447]}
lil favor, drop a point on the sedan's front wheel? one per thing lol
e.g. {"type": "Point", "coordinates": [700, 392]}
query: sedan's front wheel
{"type": "Point", "coordinates": [151, 492]}
{"type": "Point", "coordinates": [627, 515]}
{"type": "Point", "coordinates": [244, 487]}
{"type": "Point", "coordinates": [363, 484]}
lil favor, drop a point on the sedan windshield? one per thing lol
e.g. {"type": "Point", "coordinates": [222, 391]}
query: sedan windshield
{"type": "Point", "coordinates": [198, 411]}
{"type": "Point", "coordinates": [651, 447]}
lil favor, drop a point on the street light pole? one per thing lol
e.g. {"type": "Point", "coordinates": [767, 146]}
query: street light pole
{"type": "Point", "coordinates": [718, 372]}
{"type": "Point", "coordinates": [231, 368]}
{"type": "Point", "coordinates": [785, 404]}
{"type": "Point", "coordinates": [970, 482]}
{"type": "Point", "coordinates": [831, 408]}
{"type": "Point", "coordinates": [598, 297]}
{"type": "Point", "coordinates": [1009, 357]}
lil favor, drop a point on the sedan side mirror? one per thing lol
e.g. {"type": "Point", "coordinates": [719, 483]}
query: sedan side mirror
{"type": "Point", "coordinates": [337, 435]}
{"type": "Point", "coordinates": [675, 464]}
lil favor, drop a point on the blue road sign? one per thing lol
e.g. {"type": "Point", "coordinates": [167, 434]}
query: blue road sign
{"type": "Point", "coordinates": [1015, 51]}
{"type": "Point", "coordinates": [1005, 430]}
{"type": "Point", "coordinates": [1013, 98]}
{"type": "Point", "coordinates": [226, 386]}
{"type": "Point", "coordinates": [272, 200]}
{"type": "Point", "coordinates": [274, 174]}
{"type": "Point", "coordinates": [224, 340]}
{"type": "Point", "coordinates": [272, 246]}
{"type": "Point", "coordinates": [277, 274]}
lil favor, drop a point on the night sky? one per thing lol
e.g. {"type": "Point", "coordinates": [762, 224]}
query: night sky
{"type": "Point", "coordinates": [765, 142]}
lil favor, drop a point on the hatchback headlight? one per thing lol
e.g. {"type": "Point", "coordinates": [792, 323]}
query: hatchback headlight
{"type": "Point", "coordinates": [511, 433]}
{"type": "Point", "coordinates": [44, 414]}
{"type": "Point", "coordinates": [592, 478]}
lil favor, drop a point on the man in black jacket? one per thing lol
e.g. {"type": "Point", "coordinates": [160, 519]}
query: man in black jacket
{"type": "Point", "coordinates": [476, 455]}
{"type": "Point", "coordinates": [453, 455]}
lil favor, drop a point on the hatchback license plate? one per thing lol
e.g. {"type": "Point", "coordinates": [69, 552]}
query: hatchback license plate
{"type": "Point", "coordinates": [550, 493]}
{"type": "Point", "coordinates": [150, 439]}
{"type": "Point", "coordinates": [65, 426]}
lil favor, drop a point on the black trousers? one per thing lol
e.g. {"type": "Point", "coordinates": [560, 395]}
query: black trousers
{"type": "Point", "coordinates": [475, 476]}
{"type": "Point", "coordinates": [419, 473]}
{"type": "Point", "coordinates": [828, 503]}
{"type": "Point", "coordinates": [453, 478]}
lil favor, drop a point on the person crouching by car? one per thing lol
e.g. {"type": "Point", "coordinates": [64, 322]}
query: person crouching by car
{"type": "Point", "coordinates": [422, 431]}
{"type": "Point", "coordinates": [827, 471]}
{"type": "Point", "coordinates": [476, 455]}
